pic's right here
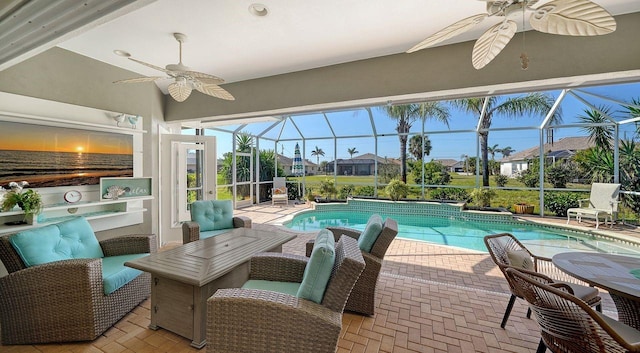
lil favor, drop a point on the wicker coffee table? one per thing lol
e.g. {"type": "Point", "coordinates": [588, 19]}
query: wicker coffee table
{"type": "Point", "coordinates": [185, 277]}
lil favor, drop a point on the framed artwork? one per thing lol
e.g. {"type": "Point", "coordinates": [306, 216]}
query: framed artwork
{"type": "Point", "coordinates": [122, 188]}
{"type": "Point", "coordinates": [48, 156]}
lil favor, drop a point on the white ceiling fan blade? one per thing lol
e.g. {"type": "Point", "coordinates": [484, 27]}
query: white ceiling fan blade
{"type": "Point", "coordinates": [150, 65]}
{"type": "Point", "coordinates": [201, 76]}
{"type": "Point", "coordinates": [449, 32]}
{"type": "Point", "coordinates": [491, 43]}
{"type": "Point", "coordinates": [139, 79]}
{"type": "Point", "coordinates": [572, 18]}
{"type": "Point", "coordinates": [180, 91]}
{"type": "Point", "coordinates": [214, 91]}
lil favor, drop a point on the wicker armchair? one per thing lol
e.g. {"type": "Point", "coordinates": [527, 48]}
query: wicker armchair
{"type": "Point", "coordinates": [362, 298]}
{"type": "Point", "coordinates": [64, 300]}
{"type": "Point", "coordinates": [251, 320]}
{"type": "Point", "coordinates": [191, 230]}
{"type": "Point", "coordinates": [568, 324]}
{"type": "Point", "coordinates": [504, 247]}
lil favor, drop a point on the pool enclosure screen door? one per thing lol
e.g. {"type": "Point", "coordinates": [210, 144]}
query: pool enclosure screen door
{"type": "Point", "coordinates": [243, 179]}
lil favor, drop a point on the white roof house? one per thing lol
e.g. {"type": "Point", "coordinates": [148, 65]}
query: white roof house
{"type": "Point", "coordinates": [564, 148]}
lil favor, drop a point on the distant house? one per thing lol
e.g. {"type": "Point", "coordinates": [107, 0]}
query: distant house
{"type": "Point", "coordinates": [286, 164]}
{"type": "Point", "coordinates": [360, 165]}
{"type": "Point", "coordinates": [565, 148]}
{"type": "Point", "coordinates": [450, 164]}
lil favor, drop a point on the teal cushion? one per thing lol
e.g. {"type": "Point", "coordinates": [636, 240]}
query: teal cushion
{"type": "Point", "coordinates": [318, 269]}
{"type": "Point", "coordinates": [211, 233]}
{"type": "Point", "coordinates": [72, 239]}
{"type": "Point", "coordinates": [212, 215]}
{"type": "Point", "coordinates": [370, 233]}
{"type": "Point", "coordinates": [290, 288]}
{"type": "Point", "coordinates": [115, 274]}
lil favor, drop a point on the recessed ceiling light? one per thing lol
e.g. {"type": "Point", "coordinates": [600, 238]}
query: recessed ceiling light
{"type": "Point", "coordinates": [122, 53]}
{"type": "Point", "coordinates": [258, 10]}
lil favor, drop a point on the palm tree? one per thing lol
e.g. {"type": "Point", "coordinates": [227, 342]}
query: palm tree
{"type": "Point", "coordinates": [317, 152]}
{"type": "Point", "coordinates": [507, 151]}
{"type": "Point", "coordinates": [352, 151]}
{"type": "Point", "coordinates": [244, 142]}
{"type": "Point", "coordinates": [406, 115]}
{"type": "Point", "coordinates": [601, 135]}
{"type": "Point", "coordinates": [415, 146]}
{"type": "Point", "coordinates": [538, 104]}
{"type": "Point", "coordinates": [493, 150]}
{"type": "Point", "coordinates": [465, 158]}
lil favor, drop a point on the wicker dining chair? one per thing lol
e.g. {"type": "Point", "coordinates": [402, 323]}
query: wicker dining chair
{"type": "Point", "coordinates": [262, 321]}
{"type": "Point", "coordinates": [507, 251]}
{"type": "Point", "coordinates": [570, 325]}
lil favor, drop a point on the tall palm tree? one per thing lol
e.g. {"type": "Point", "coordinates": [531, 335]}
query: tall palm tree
{"type": "Point", "coordinates": [415, 146]}
{"type": "Point", "coordinates": [352, 151]}
{"type": "Point", "coordinates": [493, 150]}
{"type": "Point", "coordinates": [537, 104]}
{"type": "Point", "coordinates": [507, 151]}
{"type": "Point", "coordinates": [317, 152]}
{"type": "Point", "coordinates": [406, 115]}
{"type": "Point", "coordinates": [465, 158]}
{"type": "Point", "coordinates": [601, 135]}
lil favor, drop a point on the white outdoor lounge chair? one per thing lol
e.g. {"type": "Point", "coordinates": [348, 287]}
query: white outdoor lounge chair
{"type": "Point", "coordinates": [279, 191]}
{"type": "Point", "coordinates": [602, 203]}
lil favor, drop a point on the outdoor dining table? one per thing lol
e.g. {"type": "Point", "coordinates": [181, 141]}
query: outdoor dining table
{"type": "Point", "coordinates": [617, 274]}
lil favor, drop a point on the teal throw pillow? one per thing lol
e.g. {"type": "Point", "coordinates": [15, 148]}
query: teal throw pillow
{"type": "Point", "coordinates": [73, 239]}
{"type": "Point", "coordinates": [370, 233]}
{"type": "Point", "coordinates": [318, 270]}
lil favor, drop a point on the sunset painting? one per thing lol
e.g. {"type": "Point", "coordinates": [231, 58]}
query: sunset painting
{"type": "Point", "coordinates": [47, 156]}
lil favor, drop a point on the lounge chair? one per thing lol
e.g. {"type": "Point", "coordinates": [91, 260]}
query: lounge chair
{"type": "Point", "coordinates": [507, 252]}
{"type": "Point", "coordinates": [373, 242]}
{"type": "Point", "coordinates": [279, 191]}
{"type": "Point", "coordinates": [602, 203]}
{"type": "Point", "coordinates": [567, 323]}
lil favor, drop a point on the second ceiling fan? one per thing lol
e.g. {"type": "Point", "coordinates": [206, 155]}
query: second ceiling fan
{"type": "Point", "coordinates": [563, 17]}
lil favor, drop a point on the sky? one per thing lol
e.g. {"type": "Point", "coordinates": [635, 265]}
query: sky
{"type": "Point", "coordinates": [446, 142]}
{"type": "Point", "coordinates": [30, 137]}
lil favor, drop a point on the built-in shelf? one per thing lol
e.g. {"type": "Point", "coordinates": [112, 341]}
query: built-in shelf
{"type": "Point", "coordinates": [91, 210]}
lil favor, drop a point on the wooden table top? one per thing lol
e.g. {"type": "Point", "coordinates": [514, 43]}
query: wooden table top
{"type": "Point", "coordinates": [200, 262]}
{"type": "Point", "coordinates": [607, 271]}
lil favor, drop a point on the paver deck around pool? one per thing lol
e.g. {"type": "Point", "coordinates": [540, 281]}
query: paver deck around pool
{"type": "Point", "coordinates": [430, 298]}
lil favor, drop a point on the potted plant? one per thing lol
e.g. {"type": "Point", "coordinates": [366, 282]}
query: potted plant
{"type": "Point", "coordinates": [523, 208]}
{"type": "Point", "coordinates": [29, 201]}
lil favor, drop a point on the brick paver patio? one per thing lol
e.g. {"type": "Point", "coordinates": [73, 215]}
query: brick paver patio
{"type": "Point", "coordinates": [430, 298]}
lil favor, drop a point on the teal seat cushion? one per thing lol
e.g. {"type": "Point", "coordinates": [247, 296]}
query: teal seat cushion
{"type": "Point", "coordinates": [115, 274]}
{"type": "Point", "coordinates": [290, 288]}
{"type": "Point", "coordinates": [212, 214]}
{"type": "Point", "coordinates": [211, 233]}
{"type": "Point", "coordinates": [370, 233]}
{"type": "Point", "coordinates": [318, 269]}
{"type": "Point", "coordinates": [72, 239]}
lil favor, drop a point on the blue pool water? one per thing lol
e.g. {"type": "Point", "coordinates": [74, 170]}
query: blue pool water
{"type": "Point", "coordinates": [452, 231]}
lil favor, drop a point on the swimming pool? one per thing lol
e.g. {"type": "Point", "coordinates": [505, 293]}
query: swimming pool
{"type": "Point", "coordinates": [451, 226]}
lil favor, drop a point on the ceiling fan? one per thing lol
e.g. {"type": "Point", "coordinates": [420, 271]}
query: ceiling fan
{"type": "Point", "coordinates": [564, 17]}
{"type": "Point", "coordinates": [185, 79]}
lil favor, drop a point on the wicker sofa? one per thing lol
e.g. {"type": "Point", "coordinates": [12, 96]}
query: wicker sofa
{"type": "Point", "coordinates": [65, 300]}
{"type": "Point", "coordinates": [269, 320]}
{"type": "Point", "coordinates": [210, 218]}
{"type": "Point", "coordinates": [379, 236]}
